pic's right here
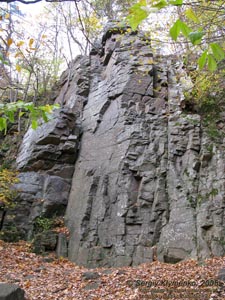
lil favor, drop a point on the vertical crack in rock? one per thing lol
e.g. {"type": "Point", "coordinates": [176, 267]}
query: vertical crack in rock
{"type": "Point", "coordinates": [87, 232]}
{"type": "Point", "coordinates": [210, 201]}
{"type": "Point", "coordinates": [124, 141]}
{"type": "Point", "coordinates": [177, 237]}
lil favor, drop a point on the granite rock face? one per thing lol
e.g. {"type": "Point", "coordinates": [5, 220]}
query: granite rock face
{"type": "Point", "coordinates": [148, 182]}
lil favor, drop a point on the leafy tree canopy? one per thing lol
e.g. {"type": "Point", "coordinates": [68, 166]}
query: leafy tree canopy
{"type": "Point", "coordinates": [199, 22]}
{"type": "Point", "coordinates": [19, 108]}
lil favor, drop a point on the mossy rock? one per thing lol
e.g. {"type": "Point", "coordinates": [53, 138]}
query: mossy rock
{"type": "Point", "coordinates": [45, 241]}
{"type": "Point", "coordinates": [11, 235]}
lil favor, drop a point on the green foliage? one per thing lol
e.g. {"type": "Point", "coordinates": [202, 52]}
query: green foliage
{"type": "Point", "coordinates": [43, 224]}
{"type": "Point", "coordinates": [209, 122]}
{"type": "Point", "coordinates": [176, 2]}
{"type": "Point", "coordinates": [139, 11]}
{"type": "Point", "coordinates": [213, 55]}
{"type": "Point", "coordinates": [194, 202]}
{"type": "Point", "coordinates": [9, 110]}
{"type": "Point", "coordinates": [11, 234]}
{"type": "Point", "coordinates": [179, 27]}
{"type": "Point", "coordinates": [137, 14]}
{"type": "Point", "coordinates": [209, 147]}
{"type": "Point", "coordinates": [196, 37]}
{"type": "Point", "coordinates": [218, 52]}
{"type": "Point", "coordinates": [2, 59]}
{"type": "Point", "coordinates": [159, 4]}
{"type": "Point", "coordinates": [207, 98]}
{"type": "Point", "coordinates": [212, 65]}
{"type": "Point", "coordinates": [202, 59]}
{"type": "Point", "coordinates": [190, 14]}
{"type": "Point", "coordinates": [192, 24]}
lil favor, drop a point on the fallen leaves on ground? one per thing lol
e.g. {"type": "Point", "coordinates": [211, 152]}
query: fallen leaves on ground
{"type": "Point", "coordinates": [47, 278]}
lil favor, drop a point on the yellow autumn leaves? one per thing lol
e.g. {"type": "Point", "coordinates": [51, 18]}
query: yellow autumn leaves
{"type": "Point", "coordinates": [20, 43]}
{"type": "Point", "coordinates": [20, 53]}
{"type": "Point", "coordinates": [18, 68]}
{"type": "Point", "coordinates": [6, 16]}
{"type": "Point", "coordinates": [7, 194]}
{"type": "Point", "coordinates": [9, 42]}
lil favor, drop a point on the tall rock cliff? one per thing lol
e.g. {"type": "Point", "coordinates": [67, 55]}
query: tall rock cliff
{"type": "Point", "coordinates": [147, 180]}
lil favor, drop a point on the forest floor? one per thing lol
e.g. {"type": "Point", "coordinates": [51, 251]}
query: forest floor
{"type": "Point", "coordinates": [47, 278]}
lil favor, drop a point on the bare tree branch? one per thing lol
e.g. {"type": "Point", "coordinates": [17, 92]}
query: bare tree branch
{"type": "Point", "coordinates": [22, 1]}
{"type": "Point", "coordinates": [82, 26]}
{"type": "Point", "coordinates": [35, 1]}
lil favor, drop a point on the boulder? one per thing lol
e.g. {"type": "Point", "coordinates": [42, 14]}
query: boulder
{"type": "Point", "coordinates": [221, 274]}
{"type": "Point", "coordinates": [10, 291]}
{"type": "Point", "coordinates": [45, 241]}
{"type": "Point", "coordinates": [62, 247]}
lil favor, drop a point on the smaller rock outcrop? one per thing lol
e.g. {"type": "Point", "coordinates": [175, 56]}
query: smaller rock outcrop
{"type": "Point", "coordinates": [46, 163]}
{"type": "Point", "coordinates": [11, 292]}
{"type": "Point", "coordinates": [221, 274]}
{"type": "Point", "coordinates": [52, 146]}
